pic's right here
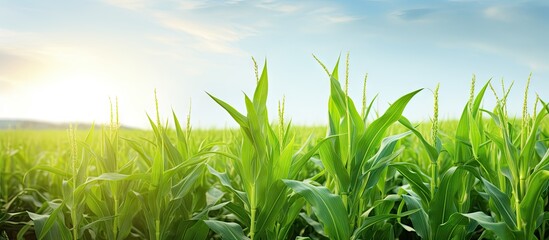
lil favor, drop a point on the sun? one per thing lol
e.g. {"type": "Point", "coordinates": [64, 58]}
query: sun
{"type": "Point", "coordinates": [72, 97]}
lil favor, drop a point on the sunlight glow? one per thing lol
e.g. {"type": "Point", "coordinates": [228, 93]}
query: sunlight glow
{"type": "Point", "coordinates": [77, 96]}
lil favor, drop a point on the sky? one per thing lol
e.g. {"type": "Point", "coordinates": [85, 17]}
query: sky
{"type": "Point", "coordinates": [64, 61]}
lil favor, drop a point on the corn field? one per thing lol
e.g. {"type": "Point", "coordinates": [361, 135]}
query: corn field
{"type": "Point", "coordinates": [363, 176]}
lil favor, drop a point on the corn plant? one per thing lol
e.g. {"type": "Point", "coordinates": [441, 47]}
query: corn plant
{"type": "Point", "coordinates": [174, 171]}
{"type": "Point", "coordinates": [487, 155]}
{"type": "Point", "coordinates": [48, 220]}
{"type": "Point", "coordinates": [442, 201]}
{"type": "Point", "coordinates": [106, 196]}
{"type": "Point", "coordinates": [17, 199]}
{"type": "Point", "coordinates": [264, 158]}
{"type": "Point", "coordinates": [523, 160]}
{"type": "Point", "coordinates": [355, 157]}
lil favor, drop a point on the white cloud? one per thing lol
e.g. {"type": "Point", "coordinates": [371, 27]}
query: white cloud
{"type": "Point", "coordinates": [215, 38]}
{"type": "Point", "coordinates": [341, 19]}
{"type": "Point", "coordinates": [210, 36]}
{"type": "Point", "coordinates": [537, 64]}
{"type": "Point", "coordinates": [332, 14]}
{"type": "Point", "coordinates": [421, 14]}
{"type": "Point", "coordinates": [221, 35]}
{"type": "Point", "coordinates": [286, 8]}
{"type": "Point", "coordinates": [517, 12]}
{"type": "Point", "coordinates": [194, 4]}
{"type": "Point", "coordinates": [324, 10]}
{"type": "Point", "coordinates": [525, 58]}
{"type": "Point", "coordinates": [129, 4]}
{"type": "Point", "coordinates": [499, 13]}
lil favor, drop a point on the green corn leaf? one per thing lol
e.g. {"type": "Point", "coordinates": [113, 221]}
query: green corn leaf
{"type": "Point", "coordinates": [240, 213]}
{"type": "Point", "coordinates": [292, 209]}
{"type": "Point", "coordinates": [136, 146]}
{"type": "Point", "coordinates": [328, 208]}
{"type": "Point", "coordinates": [300, 160]}
{"type": "Point", "coordinates": [238, 117]}
{"type": "Point", "coordinates": [193, 230]}
{"type": "Point", "coordinates": [225, 181]}
{"type": "Point", "coordinates": [461, 147]}
{"type": "Point", "coordinates": [171, 152]}
{"type": "Point", "coordinates": [378, 204]}
{"type": "Point", "coordinates": [109, 158]}
{"type": "Point", "coordinates": [48, 169]}
{"type": "Point", "coordinates": [261, 92]}
{"type": "Point", "coordinates": [226, 230]}
{"type": "Point", "coordinates": [82, 170]}
{"type": "Point", "coordinates": [493, 116]}
{"type": "Point", "coordinates": [420, 219]}
{"type": "Point", "coordinates": [478, 100]}
{"type": "Point", "coordinates": [375, 132]}
{"type": "Point", "coordinates": [530, 205]}
{"type": "Point", "coordinates": [181, 137]}
{"type": "Point", "coordinates": [97, 206]}
{"type": "Point", "coordinates": [130, 207]}
{"type": "Point", "coordinates": [529, 149]}
{"type": "Point", "coordinates": [275, 199]}
{"type": "Point", "coordinates": [157, 168]}
{"type": "Point", "coordinates": [197, 159]}
{"type": "Point", "coordinates": [283, 166]}
{"type": "Point", "coordinates": [413, 174]}
{"type": "Point", "coordinates": [369, 108]}
{"type": "Point", "coordinates": [474, 135]}
{"type": "Point", "coordinates": [257, 129]}
{"type": "Point", "coordinates": [109, 177]}
{"type": "Point", "coordinates": [94, 224]}
{"type": "Point", "coordinates": [155, 128]}
{"type": "Point", "coordinates": [373, 168]}
{"type": "Point", "coordinates": [455, 226]}
{"type": "Point", "coordinates": [499, 228]}
{"type": "Point", "coordinates": [50, 226]}
{"type": "Point", "coordinates": [332, 163]}
{"type": "Point", "coordinates": [501, 200]}
{"type": "Point", "coordinates": [502, 203]}
{"type": "Point", "coordinates": [89, 136]}
{"type": "Point", "coordinates": [182, 188]}
{"type": "Point", "coordinates": [335, 71]}
{"type": "Point", "coordinates": [543, 163]}
{"type": "Point", "coordinates": [376, 173]}
{"type": "Point", "coordinates": [431, 151]}
{"type": "Point", "coordinates": [316, 225]}
{"type": "Point", "coordinates": [443, 204]}
{"type": "Point", "coordinates": [370, 221]}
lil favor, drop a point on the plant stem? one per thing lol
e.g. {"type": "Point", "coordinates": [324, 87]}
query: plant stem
{"type": "Point", "coordinates": [253, 211]}
{"type": "Point", "coordinates": [157, 229]}
{"type": "Point", "coordinates": [434, 176]}
{"type": "Point", "coordinates": [434, 132]}
{"type": "Point", "coordinates": [115, 226]}
{"type": "Point", "coordinates": [72, 139]}
{"type": "Point", "coordinates": [73, 219]}
{"type": "Point", "coordinates": [517, 210]}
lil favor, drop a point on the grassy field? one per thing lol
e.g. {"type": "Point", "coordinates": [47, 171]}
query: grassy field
{"type": "Point", "coordinates": [482, 176]}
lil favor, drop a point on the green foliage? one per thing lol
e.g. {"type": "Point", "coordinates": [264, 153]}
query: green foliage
{"type": "Point", "coordinates": [482, 176]}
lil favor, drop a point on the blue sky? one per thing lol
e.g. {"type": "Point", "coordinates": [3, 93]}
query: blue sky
{"type": "Point", "coordinates": [62, 60]}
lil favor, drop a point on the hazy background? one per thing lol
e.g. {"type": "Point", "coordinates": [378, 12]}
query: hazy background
{"type": "Point", "coordinates": [61, 60]}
